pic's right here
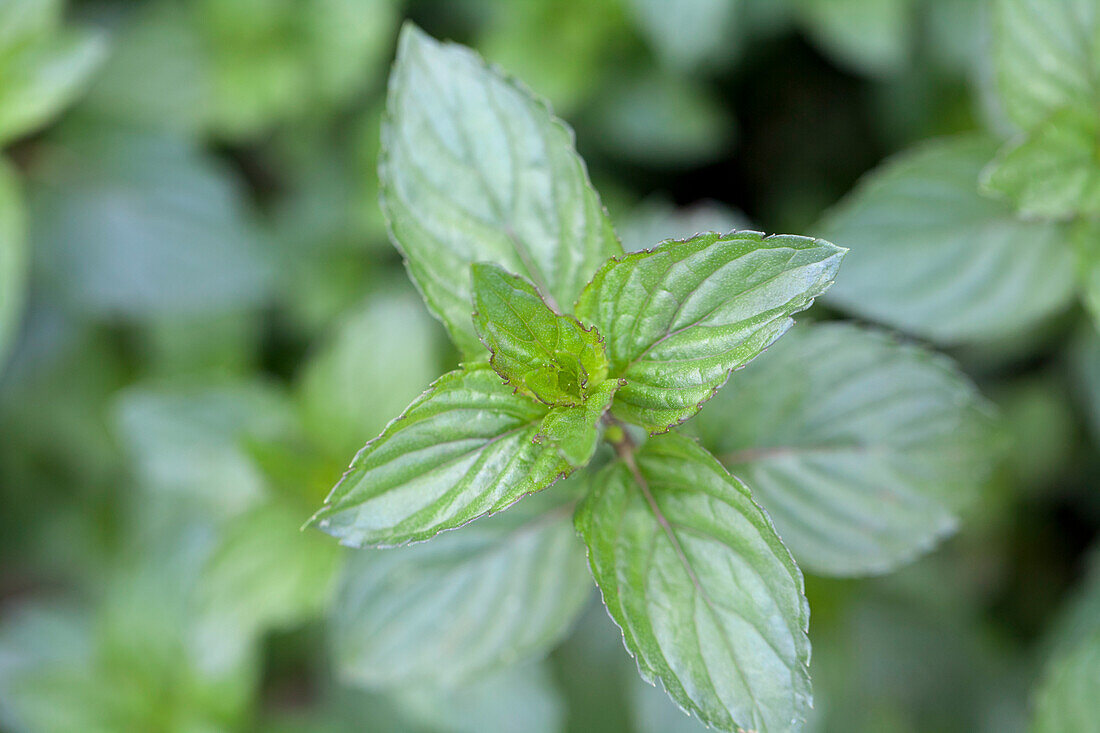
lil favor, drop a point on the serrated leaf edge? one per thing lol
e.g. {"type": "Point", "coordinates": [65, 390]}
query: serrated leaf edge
{"type": "Point", "coordinates": [804, 616]}
{"type": "Point", "coordinates": [383, 157]}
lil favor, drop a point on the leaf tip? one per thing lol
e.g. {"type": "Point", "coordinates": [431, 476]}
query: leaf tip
{"type": "Point", "coordinates": [411, 35]}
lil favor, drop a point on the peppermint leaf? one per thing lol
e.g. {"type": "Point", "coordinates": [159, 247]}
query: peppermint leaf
{"type": "Point", "coordinates": [1086, 366]}
{"type": "Point", "coordinates": [550, 357]}
{"type": "Point", "coordinates": [522, 698]}
{"type": "Point", "coordinates": [266, 575]}
{"type": "Point", "coordinates": [464, 448]}
{"type": "Point", "coordinates": [862, 449]}
{"type": "Point", "coordinates": [1046, 57]}
{"type": "Point", "coordinates": [1086, 239]}
{"type": "Point", "coordinates": [874, 37]}
{"type": "Point", "coordinates": [142, 225]}
{"type": "Point", "coordinates": [710, 24]}
{"type": "Point", "coordinates": [932, 256]}
{"type": "Point", "coordinates": [1052, 172]}
{"type": "Point", "coordinates": [573, 429]}
{"type": "Point", "coordinates": [13, 258]}
{"type": "Point", "coordinates": [467, 603]}
{"type": "Point", "coordinates": [44, 65]}
{"type": "Point", "coordinates": [679, 318]}
{"type": "Point", "coordinates": [1067, 697]}
{"type": "Point", "coordinates": [351, 388]}
{"type": "Point", "coordinates": [708, 599]}
{"type": "Point", "coordinates": [475, 169]}
{"type": "Point", "coordinates": [191, 440]}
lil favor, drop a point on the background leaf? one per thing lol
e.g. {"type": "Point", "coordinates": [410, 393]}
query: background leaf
{"type": "Point", "coordinates": [1086, 362]}
{"type": "Point", "coordinates": [561, 48]}
{"type": "Point", "coordinates": [469, 603]}
{"type": "Point", "coordinates": [662, 121]}
{"type": "Point", "coordinates": [708, 599]}
{"type": "Point", "coordinates": [474, 169]}
{"type": "Point", "coordinates": [861, 448]}
{"type": "Point", "coordinates": [133, 660]}
{"type": "Point", "coordinates": [961, 267]}
{"type": "Point", "coordinates": [267, 575]}
{"type": "Point", "coordinates": [1045, 56]}
{"type": "Point", "coordinates": [522, 698]}
{"type": "Point", "coordinates": [689, 33]}
{"type": "Point", "coordinates": [13, 258]}
{"type": "Point", "coordinates": [1067, 698]}
{"type": "Point", "coordinates": [191, 440]}
{"type": "Point", "coordinates": [44, 65]}
{"type": "Point", "coordinates": [270, 62]}
{"type": "Point", "coordinates": [679, 318]}
{"type": "Point", "coordinates": [1053, 172]}
{"type": "Point", "coordinates": [139, 224]}
{"type": "Point", "coordinates": [1086, 239]}
{"type": "Point", "coordinates": [869, 36]}
{"type": "Point", "coordinates": [351, 387]}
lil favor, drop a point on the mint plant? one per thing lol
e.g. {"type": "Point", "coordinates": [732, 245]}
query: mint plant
{"type": "Point", "coordinates": [45, 65]}
{"type": "Point", "coordinates": [582, 360]}
{"type": "Point", "coordinates": [996, 231]}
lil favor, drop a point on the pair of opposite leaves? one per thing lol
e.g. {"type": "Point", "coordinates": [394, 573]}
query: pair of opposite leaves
{"type": "Point", "coordinates": [476, 171]}
{"type": "Point", "coordinates": [486, 435]}
{"type": "Point", "coordinates": [668, 327]}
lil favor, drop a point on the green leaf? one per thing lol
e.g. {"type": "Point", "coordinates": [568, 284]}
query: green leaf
{"type": "Point", "coordinates": [1079, 618]}
{"type": "Point", "coordinates": [574, 429]}
{"type": "Point", "coordinates": [351, 388]}
{"type": "Point", "coordinates": [933, 257]}
{"type": "Point", "coordinates": [474, 169]}
{"type": "Point", "coordinates": [708, 599]}
{"type": "Point", "coordinates": [689, 34]}
{"type": "Point", "coordinates": [1086, 364]}
{"type": "Point", "coordinates": [24, 19]}
{"type": "Point", "coordinates": [464, 448]}
{"type": "Point", "coordinates": [142, 225]}
{"type": "Point", "coordinates": [1067, 696]}
{"type": "Point", "coordinates": [662, 120]}
{"type": "Point", "coordinates": [268, 62]}
{"type": "Point", "coordinates": [157, 73]}
{"type": "Point", "coordinates": [870, 36]}
{"type": "Point", "coordinates": [679, 318]}
{"type": "Point", "coordinates": [469, 602]}
{"type": "Point", "coordinates": [1086, 240]}
{"type": "Point", "coordinates": [559, 47]}
{"type": "Point", "coordinates": [1046, 65]}
{"type": "Point", "coordinates": [265, 574]}
{"type": "Point", "coordinates": [45, 665]}
{"type": "Point", "coordinates": [515, 699]}
{"type": "Point", "coordinates": [237, 67]}
{"type": "Point", "coordinates": [134, 660]}
{"type": "Point", "coordinates": [13, 258]}
{"type": "Point", "coordinates": [861, 448]}
{"type": "Point", "coordinates": [1054, 171]}
{"type": "Point", "coordinates": [42, 66]}
{"type": "Point", "coordinates": [191, 440]}
{"type": "Point", "coordinates": [1041, 427]}
{"type": "Point", "coordinates": [1046, 57]}
{"type": "Point", "coordinates": [538, 352]}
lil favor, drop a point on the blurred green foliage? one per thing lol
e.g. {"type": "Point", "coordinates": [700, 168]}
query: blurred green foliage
{"type": "Point", "coordinates": [201, 320]}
